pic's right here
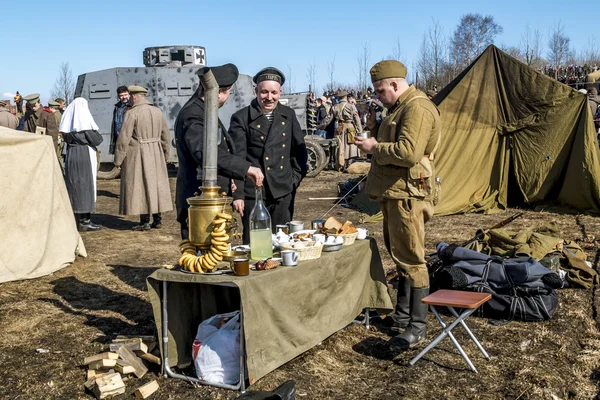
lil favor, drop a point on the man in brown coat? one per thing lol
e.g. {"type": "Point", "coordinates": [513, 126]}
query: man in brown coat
{"type": "Point", "coordinates": [141, 152]}
{"type": "Point", "coordinates": [347, 125]}
{"type": "Point", "coordinates": [36, 117]}
{"type": "Point", "coordinates": [7, 120]}
{"type": "Point", "coordinates": [402, 179]}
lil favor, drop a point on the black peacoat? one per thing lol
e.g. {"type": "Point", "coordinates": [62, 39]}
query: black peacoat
{"type": "Point", "coordinates": [277, 148]}
{"type": "Point", "coordinates": [189, 139]}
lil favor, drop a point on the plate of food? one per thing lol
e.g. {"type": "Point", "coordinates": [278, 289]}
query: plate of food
{"type": "Point", "coordinates": [303, 234]}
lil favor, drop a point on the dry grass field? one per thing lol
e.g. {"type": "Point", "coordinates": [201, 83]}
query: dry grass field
{"type": "Point", "coordinates": [75, 311]}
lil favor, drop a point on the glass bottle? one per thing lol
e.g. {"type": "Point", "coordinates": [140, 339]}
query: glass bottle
{"type": "Point", "coordinates": [260, 229]}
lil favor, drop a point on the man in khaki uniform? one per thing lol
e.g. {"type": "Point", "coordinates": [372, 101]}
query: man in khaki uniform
{"type": "Point", "coordinates": [39, 121]}
{"type": "Point", "coordinates": [54, 106]}
{"type": "Point", "coordinates": [347, 124]}
{"type": "Point", "coordinates": [7, 120]}
{"type": "Point", "coordinates": [402, 179]}
{"type": "Point", "coordinates": [142, 150]}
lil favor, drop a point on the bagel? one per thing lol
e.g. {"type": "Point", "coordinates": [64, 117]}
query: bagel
{"type": "Point", "coordinates": [221, 238]}
{"type": "Point", "coordinates": [216, 251]}
{"type": "Point", "coordinates": [218, 221]}
{"type": "Point", "coordinates": [216, 256]}
{"type": "Point", "coordinates": [225, 215]}
{"type": "Point", "coordinates": [210, 258]}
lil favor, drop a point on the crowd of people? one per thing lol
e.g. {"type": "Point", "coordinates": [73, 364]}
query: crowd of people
{"type": "Point", "coordinates": [263, 151]}
{"type": "Point", "coordinates": [572, 75]}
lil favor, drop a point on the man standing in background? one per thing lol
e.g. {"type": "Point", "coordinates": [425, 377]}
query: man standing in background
{"type": "Point", "coordinates": [7, 120]}
{"type": "Point", "coordinates": [141, 152]}
{"type": "Point", "coordinates": [118, 115]}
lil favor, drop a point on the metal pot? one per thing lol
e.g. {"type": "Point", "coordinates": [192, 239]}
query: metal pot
{"type": "Point", "coordinates": [203, 210]}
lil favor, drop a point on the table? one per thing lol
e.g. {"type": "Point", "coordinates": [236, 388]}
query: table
{"type": "Point", "coordinates": [284, 312]}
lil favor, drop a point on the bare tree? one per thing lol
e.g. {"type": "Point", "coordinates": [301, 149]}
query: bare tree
{"type": "Point", "coordinates": [396, 51]}
{"type": "Point", "coordinates": [311, 75]}
{"type": "Point", "coordinates": [64, 85]}
{"type": "Point", "coordinates": [431, 63]}
{"type": "Point", "coordinates": [364, 60]}
{"type": "Point", "coordinates": [530, 47]}
{"type": "Point", "coordinates": [558, 45]}
{"type": "Point", "coordinates": [331, 75]}
{"type": "Point", "coordinates": [513, 52]}
{"type": "Point", "coordinates": [290, 83]}
{"type": "Point", "coordinates": [472, 35]}
{"type": "Point", "coordinates": [591, 55]}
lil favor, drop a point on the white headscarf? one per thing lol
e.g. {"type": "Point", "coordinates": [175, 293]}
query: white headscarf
{"type": "Point", "coordinates": [77, 117]}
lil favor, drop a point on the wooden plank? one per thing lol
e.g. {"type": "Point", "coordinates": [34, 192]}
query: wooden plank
{"type": "Point", "coordinates": [92, 373]}
{"type": "Point", "coordinates": [151, 345]}
{"type": "Point", "coordinates": [151, 358]}
{"type": "Point", "coordinates": [109, 385]}
{"type": "Point", "coordinates": [133, 360]}
{"type": "Point", "coordinates": [102, 364]}
{"type": "Point", "coordinates": [143, 392]}
{"type": "Point", "coordinates": [130, 337]}
{"type": "Point", "coordinates": [101, 356]}
{"type": "Point", "coordinates": [133, 346]}
{"type": "Point", "coordinates": [124, 367]}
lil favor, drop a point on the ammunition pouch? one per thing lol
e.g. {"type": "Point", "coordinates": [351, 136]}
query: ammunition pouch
{"type": "Point", "coordinates": [420, 181]}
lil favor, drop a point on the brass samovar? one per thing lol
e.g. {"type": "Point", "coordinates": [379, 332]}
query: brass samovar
{"type": "Point", "coordinates": [205, 207]}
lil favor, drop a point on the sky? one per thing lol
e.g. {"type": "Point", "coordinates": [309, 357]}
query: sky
{"type": "Point", "coordinates": [289, 35]}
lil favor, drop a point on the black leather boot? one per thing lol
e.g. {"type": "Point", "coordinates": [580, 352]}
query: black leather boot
{"type": "Point", "coordinates": [417, 328]}
{"type": "Point", "coordinates": [84, 224]}
{"type": "Point", "coordinates": [144, 224]}
{"type": "Point", "coordinates": [156, 221]}
{"type": "Point", "coordinates": [399, 319]}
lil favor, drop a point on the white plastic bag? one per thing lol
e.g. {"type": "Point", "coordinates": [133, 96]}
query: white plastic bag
{"type": "Point", "coordinates": [216, 350]}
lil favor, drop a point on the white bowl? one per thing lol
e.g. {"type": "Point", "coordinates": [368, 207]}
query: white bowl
{"type": "Point", "coordinates": [332, 247]}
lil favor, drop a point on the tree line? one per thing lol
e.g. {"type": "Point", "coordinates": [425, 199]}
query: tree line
{"type": "Point", "coordinates": [442, 57]}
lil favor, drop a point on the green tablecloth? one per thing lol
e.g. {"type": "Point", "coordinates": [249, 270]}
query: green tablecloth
{"type": "Point", "coordinates": [286, 311]}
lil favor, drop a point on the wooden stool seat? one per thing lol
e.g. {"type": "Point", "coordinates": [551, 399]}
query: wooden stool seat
{"type": "Point", "coordinates": [457, 298]}
{"type": "Point", "coordinates": [468, 302]}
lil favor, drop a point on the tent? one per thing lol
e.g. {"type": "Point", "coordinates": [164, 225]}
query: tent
{"type": "Point", "coordinates": [512, 134]}
{"type": "Point", "coordinates": [38, 234]}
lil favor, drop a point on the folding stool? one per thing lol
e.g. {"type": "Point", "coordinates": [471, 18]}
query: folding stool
{"type": "Point", "coordinates": [468, 302]}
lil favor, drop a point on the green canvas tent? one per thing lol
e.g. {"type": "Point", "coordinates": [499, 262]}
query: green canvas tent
{"type": "Point", "coordinates": [510, 132]}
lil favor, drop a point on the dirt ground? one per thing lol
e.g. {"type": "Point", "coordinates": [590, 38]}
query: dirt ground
{"type": "Point", "coordinates": [75, 311]}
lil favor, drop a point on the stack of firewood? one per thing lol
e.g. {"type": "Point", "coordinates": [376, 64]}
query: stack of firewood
{"type": "Point", "coordinates": [126, 356]}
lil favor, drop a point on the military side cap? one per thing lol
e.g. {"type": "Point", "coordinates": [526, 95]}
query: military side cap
{"type": "Point", "coordinates": [53, 103]}
{"type": "Point", "coordinates": [137, 90]}
{"type": "Point", "coordinates": [32, 98]}
{"type": "Point", "coordinates": [269, 74]}
{"type": "Point", "coordinates": [2, 103]}
{"type": "Point", "coordinates": [388, 69]}
{"type": "Point", "coordinates": [343, 93]}
{"type": "Point", "coordinates": [226, 75]}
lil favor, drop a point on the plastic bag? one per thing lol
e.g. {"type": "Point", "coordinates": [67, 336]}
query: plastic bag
{"type": "Point", "coordinates": [216, 349]}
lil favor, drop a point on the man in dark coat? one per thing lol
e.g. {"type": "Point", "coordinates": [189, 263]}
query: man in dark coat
{"type": "Point", "coordinates": [267, 134]}
{"type": "Point", "coordinates": [119, 115]}
{"type": "Point", "coordinates": [189, 139]}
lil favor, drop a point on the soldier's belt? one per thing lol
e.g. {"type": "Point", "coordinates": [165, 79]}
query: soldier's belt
{"type": "Point", "coordinates": [152, 140]}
